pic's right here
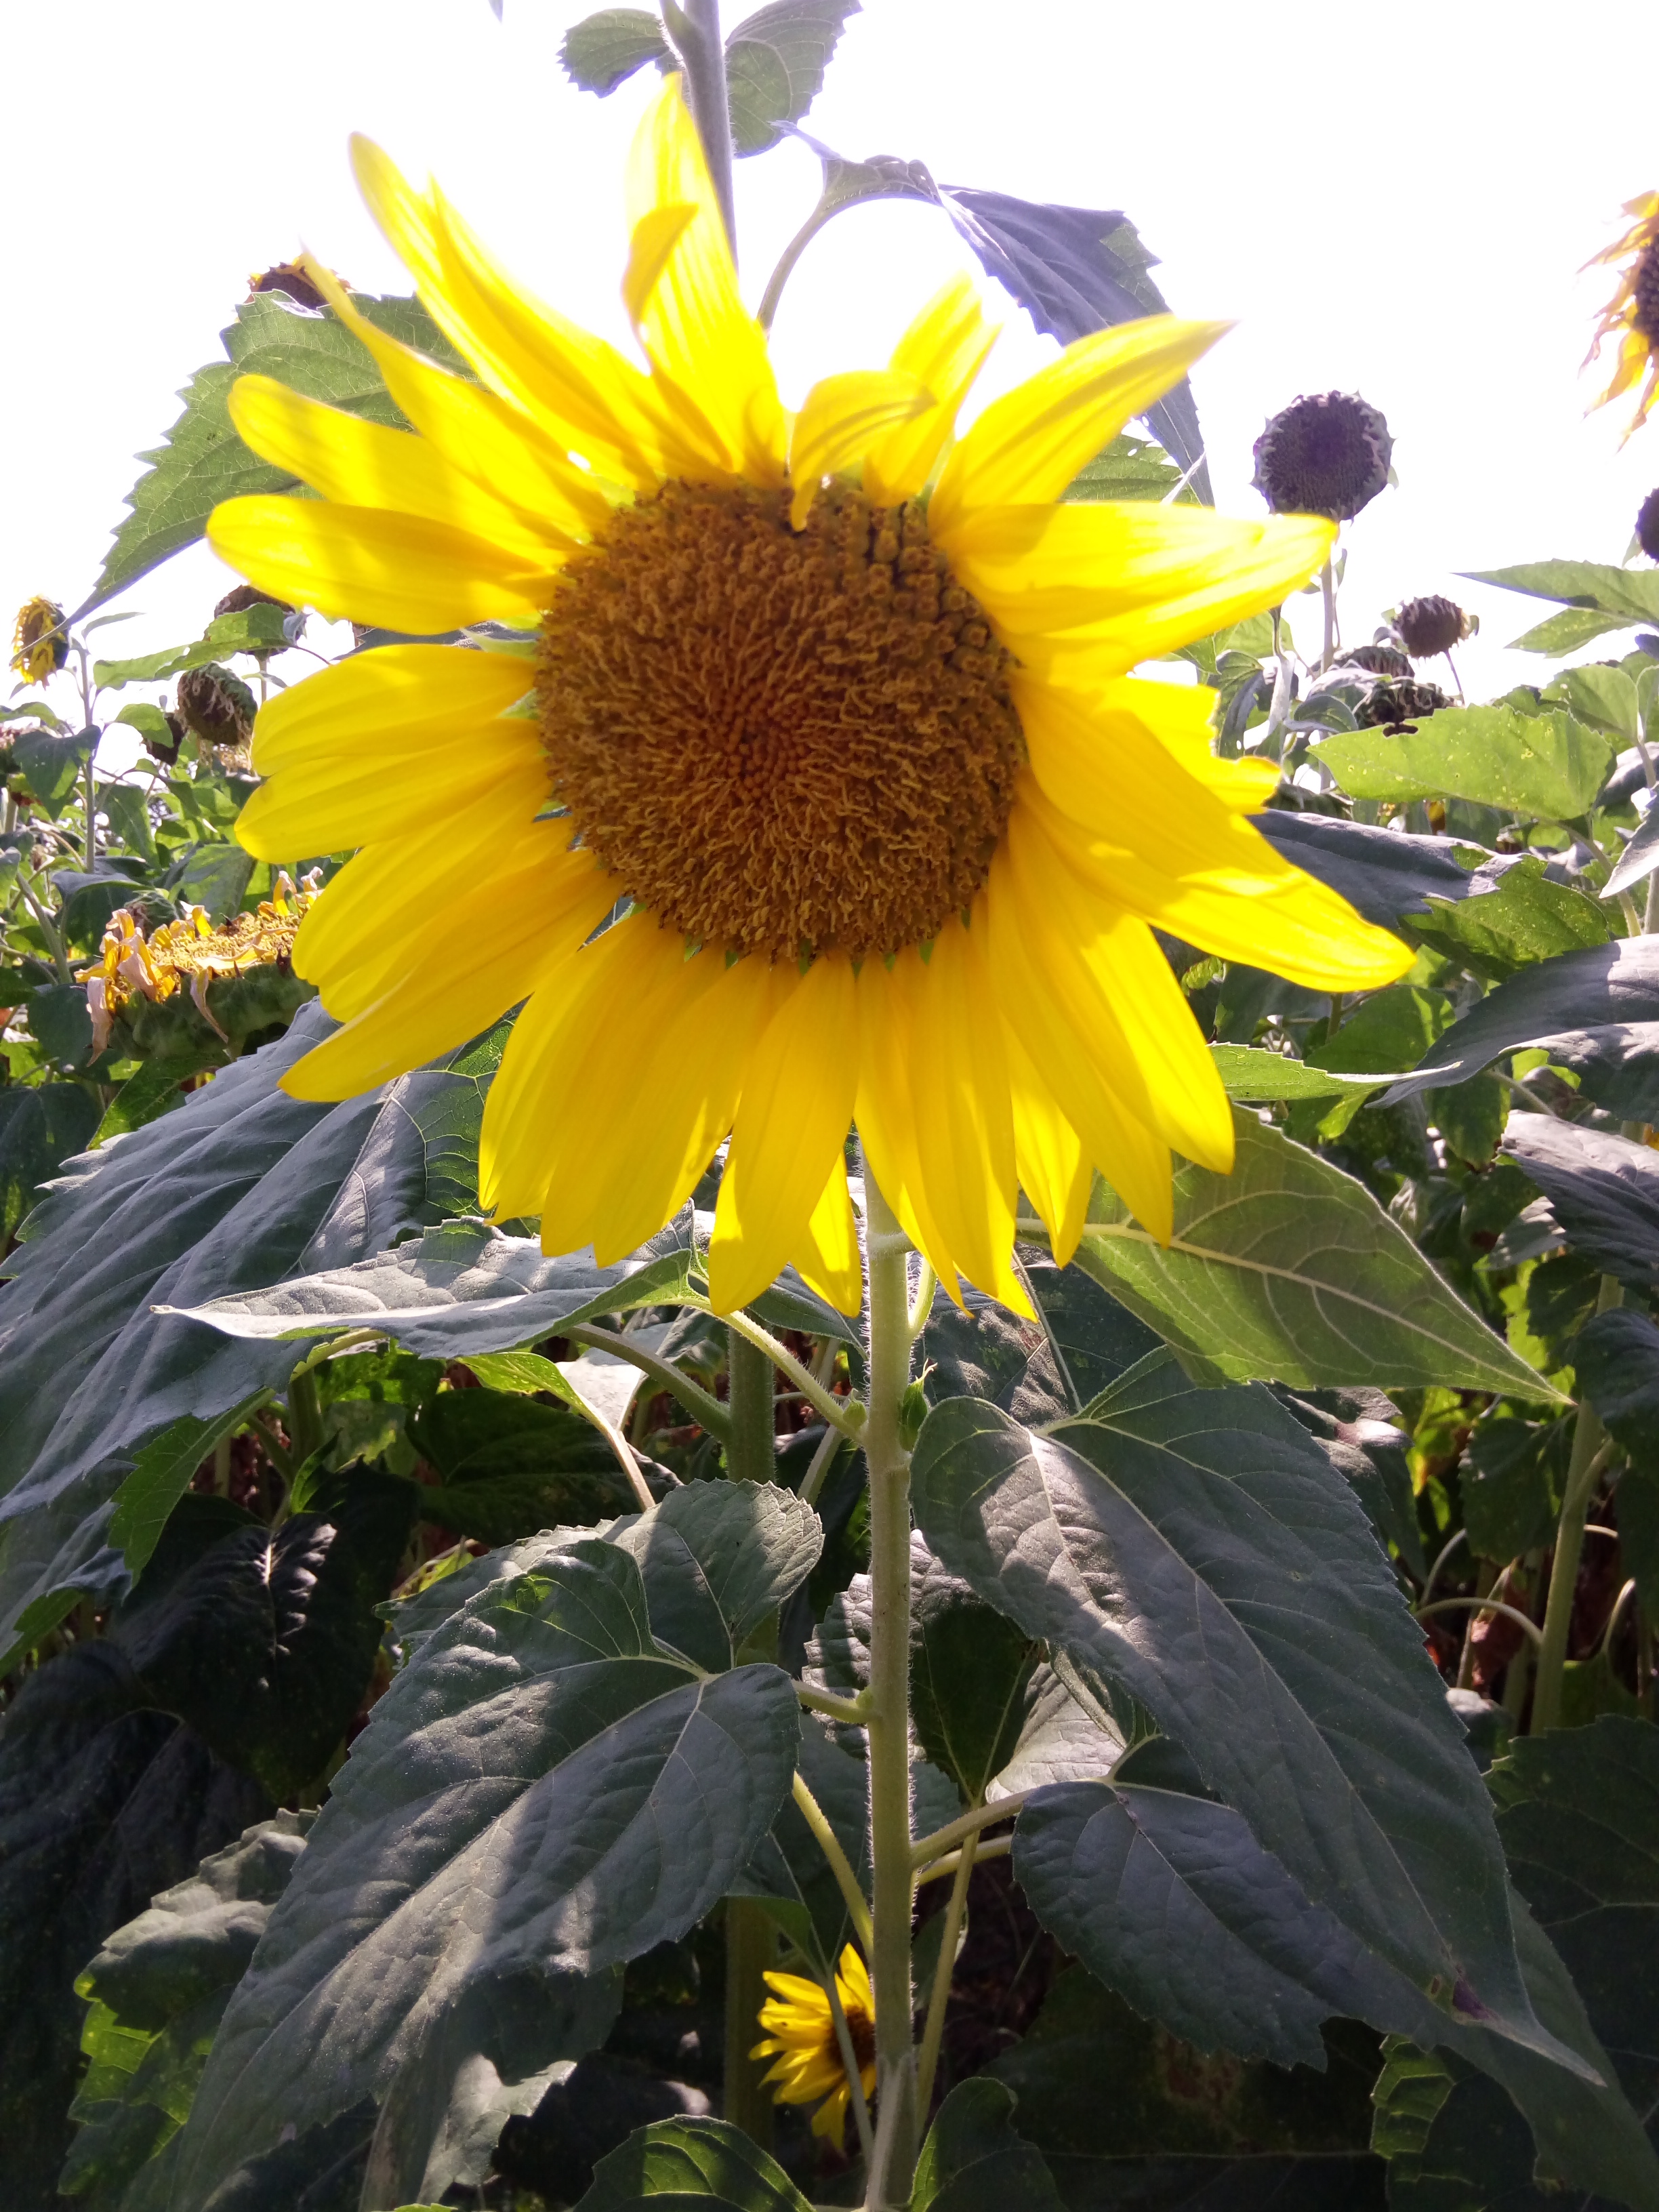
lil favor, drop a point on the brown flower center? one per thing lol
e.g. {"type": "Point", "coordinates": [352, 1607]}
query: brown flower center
{"type": "Point", "coordinates": [861, 2034]}
{"type": "Point", "coordinates": [780, 741]}
{"type": "Point", "coordinates": [1645, 285]}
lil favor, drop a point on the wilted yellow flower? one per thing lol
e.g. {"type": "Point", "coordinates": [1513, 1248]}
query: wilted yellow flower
{"type": "Point", "coordinates": [1632, 316]}
{"type": "Point", "coordinates": [800, 2026]}
{"type": "Point", "coordinates": [188, 955]}
{"type": "Point", "coordinates": [40, 640]}
{"type": "Point", "coordinates": [833, 713]}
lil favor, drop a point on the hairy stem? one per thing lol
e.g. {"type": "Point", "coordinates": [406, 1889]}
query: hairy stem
{"type": "Point", "coordinates": [933, 2034]}
{"type": "Point", "coordinates": [696, 32]}
{"type": "Point", "coordinates": [891, 2171]}
{"type": "Point", "coordinates": [751, 1449]}
{"type": "Point", "coordinates": [751, 1946]}
{"type": "Point", "coordinates": [305, 1416]}
{"type": "Point", "coordinates": [842, 1413]}
{"type": "Point", "coordinates": [707, 1413]}
{"type": "Point", "coordinates": [1582, 1471]}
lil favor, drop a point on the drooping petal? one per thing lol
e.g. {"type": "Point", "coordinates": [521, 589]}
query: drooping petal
{"type": "Point", "coordinates": [791, 1122]}
{"type": "Point", "coordinates": [1055, 1170]}
{"type": "Point", "coordinates": [827, 1257]}
{"type": "Point", "coordinates": [1109, 963]}
{"type": "Point", "coordinates": [459, 978]}
{"type": "Point", "coordinates": [1028, 446]}
{"type": "Point", "coordinates": [587, 396]}
{"type": "Point", "coordinates": [839, 417]}
{"type": "Point", "coordinates": [964, 1125]}
{"type": "Point", "coordinates": [493, 440]}
{"type": "Point", "coordinates": [885, 1112]}
{"type": "Point", "coordinates": [356, 463]}
{"type": "Point", "coordinates": [363, 564]}
{"type": "Point", "coordinates": [692, 320]}
{"type": "Point", "coordinates": [944, 350]}
{"type": "Point", "coordinates": [1082, 1058]}
{"type": "Point", "coordinates": [1124, 581]}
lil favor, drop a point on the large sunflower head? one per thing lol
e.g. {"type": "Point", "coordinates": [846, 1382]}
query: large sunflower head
{"type": "Point", "coordinates": [39, 639]}
{"type": "Point", "coordinates": [800, 2031]}
{"type": "Point", "coordinates": [1631, 318]}
{"type": "Point", "coordinates": [819, 791]}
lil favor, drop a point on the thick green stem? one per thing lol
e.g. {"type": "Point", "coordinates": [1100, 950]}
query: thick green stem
{"type": "Point", "coordinates": [751, 1449]}
{"type": "Point", "coordinates": [1582, 1471]}
{"type": "Point", "coordinates": [696, 30]}
{"type": "Point", "coordinates": [889, 1463]}
{"type": "Point", "coordinates": [305, 1416]}
{"type": "Point", "coordinates": [751, 1948]}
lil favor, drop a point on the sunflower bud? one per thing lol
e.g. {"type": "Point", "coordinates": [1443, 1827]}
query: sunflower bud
{"type": "Point", "coordinates": [244, 596]}
{"type": "Point", "coordinates": [1646, 525]}
{"type": "Point", "coordinates": [290, 277]}
{"type": "Point", "coordinates": [40, 640]}
{"type": "Point", "coordinates": [1324, 454]}
{"type": "Point", "coordinates": [1432, 625]}
{"type": "Point", "coordinates": [216, 706]}
{"type": "Point", "coordinates": [166, 750]}
{"type": "Point", "coordinates": [1399, 706]}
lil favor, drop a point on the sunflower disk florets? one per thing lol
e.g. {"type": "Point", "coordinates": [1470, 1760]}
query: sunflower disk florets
{"type": "Point", "coordinates": [1327, 454]}
{"type": "Point", "coordinates": [1431, 625]}
{"type": "Point", "coordinates": [1646, 525]}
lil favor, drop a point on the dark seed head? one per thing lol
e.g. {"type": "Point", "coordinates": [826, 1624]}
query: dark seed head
{"type": "Point", "coordinates": [286, 276]}
{"type": "Point", "coordinates": [1324, 454]}
{"type": "Point", "coordinates": [1399, 706]}
{"type": "Point", "coordinates": [1646, 525]}
{"type": "Point", "coordinates": [1374, 659]}
{"type": "Point", "coordinates": [1431, 625]}
{"type": "Point", "coordinates": [238, 602]}
{"type": "Point", "coordinates": [215, 706]}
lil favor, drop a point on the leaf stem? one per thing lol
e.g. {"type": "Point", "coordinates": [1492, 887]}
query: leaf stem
{"type": "Point", "coordinates": [706, 1412]}
{"type": "Point", "coordinates": [1327, 593]}
{"type": "Point", "coordinates": [854, 1712]}
{"type": "Point", "coordinates": [933, 2032]}
{"type": "Point", "coordinates": [1482, 1605]}
{"type": "Point", "coordinates": [840, 1413]}
{"type": "Point", "coordinates": [840, 1865]}
{"type": "Point", "coordinates": [850, 2060]}
{"type": "Point", "coordinates": [968, 1823]}
{"type": "Point", "coordinates": [889, 1724]}
{"type": "Point", "coordinates": [823, 213]}
{"type": "Point", "coordinates": [1590, 1456]}
{"type": "Point", "coordinates": [305, 1416]}
{"type": "Point", "coordinates": [922, 1304]}
{"type": "Point", "coordinates": [998, 1847]}
{"type": "Point", "coordinates": [823, 1460]}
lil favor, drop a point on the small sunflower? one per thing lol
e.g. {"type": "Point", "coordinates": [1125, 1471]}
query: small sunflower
{"type": "Point", "coordinates": [1632, 316]}
{"type": "Point", "coordinates": [833, 799]}
{"type": "Point", "coordinates": [801, 2028]}
{"type": "Point", "coordinates": [40, 640]}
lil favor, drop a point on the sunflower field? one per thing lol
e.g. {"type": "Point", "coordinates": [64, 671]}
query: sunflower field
{"type": "Point", "coordinates": [828, 1362]}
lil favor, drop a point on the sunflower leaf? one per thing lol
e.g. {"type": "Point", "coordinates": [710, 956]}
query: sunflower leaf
{"type": "Point", "coordinates": [692, 2162]}
{"type": "Point", "coordinates": [1602, 1188]}
{"type": "Point", "coordinates": [204, 461]}
{"type": "Point", "coordinates": [604, 50]}
{"type": "Point", "coordinates": [1150, 1543]}
{"type": "Point", "coordinates": [974, 2161]}
{"type": "Point", "coordinates": [540, 1795]}
{"type": "Point", "coordinates": [1628, 592]}
{"type": "Point", "coordinates": [1542, 767]}
{"type": "Point", "coordinates": [1288, 1270]}
{"type": "Point", "coordinates": [774, 64]}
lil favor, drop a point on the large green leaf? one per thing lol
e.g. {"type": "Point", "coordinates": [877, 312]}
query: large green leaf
{"type": "Point", "coordinates": [203, 461]}
{"type": "Point", "coordinates": [604, 50]}
{"type": "Point", "coordinates": [100, 1807]}
{"type": "Point", "coordinates": [1153, 1544]}
{"type": "Point", "coordinates": [692, 2162]}
{"type": "Point", "coordinates": [1542, 767]}
{"type": "Point", "coordinates": [1288, 1269]}
{"type": "Point", "coordinates": [41, 1126]}
{"type": "Point", "coordinates": [1630, 592]}
{"type": "Point", "coordinates": [1512, 920]}
{"type": "Point", "coordinates": [155, 1994]}
{"type": "Point", "coordinates": [1082, 1340]}
{"type": "Point", "coordinates": [508, 1466]}
{"type": "Point", "coordinates": [1387, 877]}
{"type": "Point", "coordinates": [1602, 1188]}
{"type": "Point", "coordinates": [718, 1558]}
{"type": "Point", "coordinates": [973, 2160]}
{"type": "Point", "coordinates": [540, 1795]}
{"type": "Point", "coordinates": [240, 1185]}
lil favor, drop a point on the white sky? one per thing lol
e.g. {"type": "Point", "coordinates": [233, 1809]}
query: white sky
{"type": "Point", "coordinates": [1394, 200]}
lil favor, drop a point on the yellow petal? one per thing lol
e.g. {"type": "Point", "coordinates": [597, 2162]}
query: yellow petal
{"type": "Point", "coordinates": [944, 350]}
{"type": "Point", "coordinates": [1080, 1055]}
{"type": "Point", "coordinates": [395, 696]}
{"type": "Point", "coordinates": [486, 959]}
{"type": "Point", "coordinates": [499, 444]}
{"type": "Point", "coordinates": [791, 1122]}
{"type": "Point", "coordinates": [964, 1126]}
{"type": "Point", "coordinates": [356, 463]}
{"type": "Point", "coordinates": [839, 418]}
{"type": "Point", "coordinates": [1054, 1171]}
{"type": "Point", "coordinates": [827, 1258]}
{"type": "Point", "coordinates": [1126, 581]}
{"type": "Point", "coordinates": [585, 394]}
{"type": "Point", "coordinates": [323, 809]}
{"type": "Point", "coordinates": [363, 564]}
{"type": "Point", "coordinates": [692, 321]}
{"type": "Point", "coordinates": [1029, 445]}
{"type": "Point", "coordinates": [884, 1109]}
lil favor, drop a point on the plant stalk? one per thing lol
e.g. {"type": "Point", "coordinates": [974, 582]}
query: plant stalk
{"type": "Point", "coordinates": [934, 2033]}
{"type": "Point", "coordinates": [750, 1947]}
{"type": "Point", "coordinates": [750, 1450]}
{"type": "Point", "coordinates": [892, 2170]}
{"type": "Point", "coordinates": [1582, 1471]}
{"type": "Point", "coordinates": [1327, 591]}
{"type": "Point", "coordinates": [696, 32]}
{"type": "Point", "coordinates": [305, 1416]}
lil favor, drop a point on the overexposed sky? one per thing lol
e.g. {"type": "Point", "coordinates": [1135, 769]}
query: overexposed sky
{"type": "Point", "coordinates": [1392, 201]}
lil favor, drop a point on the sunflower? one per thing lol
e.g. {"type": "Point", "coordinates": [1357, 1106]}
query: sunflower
{"type": "Point", "coordinates": [816, 791]}
{"type": "Point", "coordinates": [1632, 315]}
{"type": "Point", "coordinates": [40, 644]}
{"type": "Point", "coordinates": [801, 2027]}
